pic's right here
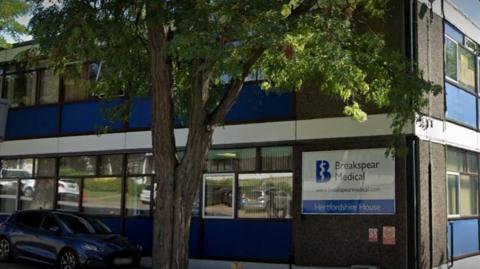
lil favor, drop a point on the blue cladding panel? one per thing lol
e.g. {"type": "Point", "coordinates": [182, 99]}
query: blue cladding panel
{"type": "Point", "coordinates": [465, 239]}
{"type": "Point", "coordinates": [32, 122]}
{"type": "Point", "coordinates": [3, 217]}
{"type": "Point", "coordinates": [141, 113]}
{"type": "Point", "coordinates": [140, 231]}
{"type": "Point", "coordinates": [114, 224]}
{"type": "Point", "coordinates": [88, 117]}
{"type": "Point", "coordinates": [195, 240]}
{"type": "Point", "coordinates": [461, 106]}
{"type": "Point", "coordinates": [247, 240]}
{"type": "Point", "coordinates": [253, 104]}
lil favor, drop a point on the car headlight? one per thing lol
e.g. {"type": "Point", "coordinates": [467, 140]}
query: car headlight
{"type": "Point", "coordinates": [91, 247]}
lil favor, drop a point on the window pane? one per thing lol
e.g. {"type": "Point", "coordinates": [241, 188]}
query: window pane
{"type": "Point", "coordinates": [461, 106]}
{"type": "Point", "coordinates": [139, 164]}
{"type": "Point", "coordinates": [453, 33]}
{"type": "Point", "coordinates": [468, 195]}
{"type": "Point", "coordinates": [451, 59]}
{"type": "Point", "coordinates": [8, 195]}
{"type": "Point", "coordinates": [68, 194]}
{"type": "Point", "coordinates": [276, 158]}
{"type": "Point", "coordinates": [265, 195]}
{"type": "Point", "coordinates": [73, 166]}
{"type": "Point", "coordinates": [45, 167]}
{"type": "Point", "coordinates": [226, 160]}
{"type": "Point", "coordinates": [452, 194]}
{"type": "Point", "coordinates": [17, 168]}
{"type": "Point", "coordinates": [455, 160]}
{"type": "Point", "coordinates": [472, 162]}
{"type": "Point", "coordinates": [138, 196]}
{"type": "Point", "coordinates": [37, 194]}
{"type": "Point", "coordinates": [102, 195]}
{"type": "Point", "coordinates": [466, 69]}
{"type": "Point", "coordinates": [218, 195]}
{"type": "Point", "coordinates": [20, 89]}
{"type": "Point", "coordinates": [50, 84]}
{"type": "Point", "coordinates": [111, 165]}
{"type": "Point", "coordinates": [75, 84]}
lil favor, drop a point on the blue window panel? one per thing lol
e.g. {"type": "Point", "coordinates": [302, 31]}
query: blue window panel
{"type": "Point", "coordinates": [461, 106]}
{"type": "Point", "coordinates": [453, 33]}
{"type": "Point", "coordinates": [89, 117]}
{"type": "Point", "coordinates": [32, 122]}
{"type": "Point", "coordinates": [195, 238]}
{"type": "Point", "coordinates": [140, 231]}
{"type": "Point", "coordinates": [254, 104]}
{"type": "Point", "coordinates": [254, 240]}
{"type": "Point", "coordinates": [466, 240]}
{"type": "Point", "coordinates": [114, 224]}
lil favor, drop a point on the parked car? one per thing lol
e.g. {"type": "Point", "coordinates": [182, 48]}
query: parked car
{"type": "Point", "coordinates": [271, 199]}
{"type": "Point", "coordinates": [67, 240]}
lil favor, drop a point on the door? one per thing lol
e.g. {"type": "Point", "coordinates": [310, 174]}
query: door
{"type": "Point", "coordinates": [49, 239]}
{"type": "Point", "coordinates": [25, 235]}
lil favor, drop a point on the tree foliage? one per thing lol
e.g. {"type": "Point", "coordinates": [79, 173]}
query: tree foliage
{"type": "Point", "coordinates": [10, 10]}
{"type": "Point", "coordinates": [299, 41]}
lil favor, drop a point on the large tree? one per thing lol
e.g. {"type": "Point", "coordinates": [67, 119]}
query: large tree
{"type": "Point", "coordinates": [193, 56]}
{"type": "Point", "coordinates": [10, 11]}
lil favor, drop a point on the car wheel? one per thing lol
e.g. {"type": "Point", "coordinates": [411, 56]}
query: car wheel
{"type": "Point", "coordinates": [68, 260]}
{"type": "Point", "coordinates": [5, 250]}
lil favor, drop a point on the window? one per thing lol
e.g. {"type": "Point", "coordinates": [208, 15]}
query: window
{"type": "Point", "coordinates": [20, 89]}
{"type": "Point", "coordinates": [218, 195]}
{"type": "Point", "coordinates": [227, 160]}
{"type": "Point", "coordinates": [29, 219]}
{"type": "Point", "coordinates": [75, 85]}
{"type": "Point", "coordinates": [140, 164]}
{"type": "Point", "coordinates": [462, 183]}
{"type": "Point", "coordinates": [111, 165]}
{"type": "Point", "coordinates": [45, 167]}
{"type": "Point", "coordinates": [78, 166]}
{"type": "Point", "coordinates": [102, 195]}
{"type": "Point", "coordinates": [17, 168]}
{"type": "Point", "coordinates": [138, 196]}
{"type": "Point", "coordinates": [8, 195]}
{"type": "Point", "coordinates": [68, 194]}
{"type": "Point", "coordinates": [49, 87]}
{"type": "Point", "coordinates": [461, 71]}
{"type": "Point", "coordinates": [265, 195]}
{"type": "Point", "coordinates": [37, 193]}
{"type": "Point", "coordinates": [276, 158]}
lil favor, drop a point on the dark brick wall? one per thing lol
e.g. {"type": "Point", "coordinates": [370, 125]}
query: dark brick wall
{"type": "Point", "coordinates": [439, 204]}
{"type": "Point", "coordinates": [434, 62]}
{"type": "Point", "coordinates": [333, 240]}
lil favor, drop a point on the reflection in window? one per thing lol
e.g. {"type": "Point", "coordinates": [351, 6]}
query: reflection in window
{"type": "Point", "coordinates": [453, 191]}
{"type": "Point", "coordinates": [138, 196]}
{"type": "Point", "coordinates": [45, 167]}
{"type": "Point", "coordinates": [50, 84]}
{"type": "Point", "coordinates": [111, 165]}
{"type": "Point", "coordinates": [460, 105]}
{"type": "Point", "coordinates": [8, 195]}
{"type": "Point", "coordinates": [82, 165]}
{"type": "Point", "coordinates": [276, 158]}
{"type": "Point", "coordinates": [466, 69]}
{"type": "Point", "coordinates": [102, 195]}
{"type": "Point", "coordinates": [227, 160]}
{"type": "Point", "coordinates": [265, 195]}
{"type": "Point", "coordinates": [68, 196]}
{"type": "Point", "coordinates": [140, 164]}
{"type": "Point", "coordinates": [451, 59]}
{"type": "Point", "coordinates": [17, 168]}
{"type": "Point", "coordinates": [468, 195]}
{"type": "Point", "coordinates": [218, 195]}
{"type": "Point", "coordinates": [37, 193]}
{"type": "Point", "coordinates": [20, 89]}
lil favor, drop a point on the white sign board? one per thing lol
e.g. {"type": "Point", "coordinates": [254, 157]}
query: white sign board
{"type": "Point", "coordinates": [360, 181]}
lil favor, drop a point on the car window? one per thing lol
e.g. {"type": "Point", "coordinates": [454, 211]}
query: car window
{"type": "Point", "coordinates": [49, 222]}
{"type": "Point", "coordinates": [100, 227]}
{"type": "Point", "coordinates": [76, 224]}
{"type": "Point", "coordinates": [29, 219]}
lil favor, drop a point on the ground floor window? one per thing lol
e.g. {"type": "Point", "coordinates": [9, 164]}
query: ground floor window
{"type": "Point", "coordinates": [462, 183]}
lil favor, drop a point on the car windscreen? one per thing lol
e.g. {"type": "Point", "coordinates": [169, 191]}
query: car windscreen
{"type": "Point", "coordinates": [98, 226]}
{"type": "Point", "coordinates": [76, 224]}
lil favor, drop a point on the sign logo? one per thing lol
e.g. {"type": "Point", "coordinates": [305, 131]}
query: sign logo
{"type": "Point", "coordinates": [322, 173]}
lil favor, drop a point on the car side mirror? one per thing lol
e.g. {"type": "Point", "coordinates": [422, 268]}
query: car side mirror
{"type": "Point", "coordinates": [54, 229]}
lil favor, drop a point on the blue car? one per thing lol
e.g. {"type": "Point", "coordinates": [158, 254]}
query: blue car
{"type": "Point", "coordinates": [66, 240]}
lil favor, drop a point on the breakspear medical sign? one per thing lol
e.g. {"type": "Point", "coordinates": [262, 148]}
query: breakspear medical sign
{"type": "Point", "coordinates": [348, 182]}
